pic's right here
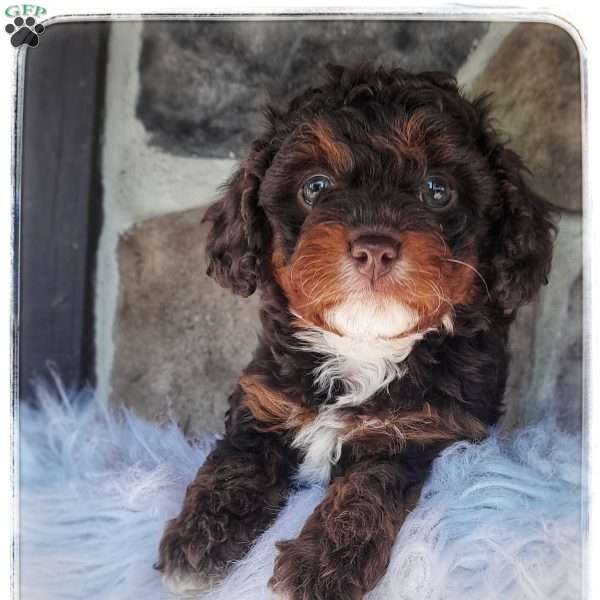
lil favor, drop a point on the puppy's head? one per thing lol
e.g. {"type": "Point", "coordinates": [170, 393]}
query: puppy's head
{"type": "Point", "coordinates": [379, 203]}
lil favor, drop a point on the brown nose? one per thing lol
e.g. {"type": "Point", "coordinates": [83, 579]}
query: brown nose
{"type": "Point", "coordinates": [374, 255]}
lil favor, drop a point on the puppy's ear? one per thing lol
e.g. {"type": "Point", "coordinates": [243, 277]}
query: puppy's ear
{"type": "Point", "coordinates": [240, 235]}
{"type": "Point", "coordinates": [524, 234]}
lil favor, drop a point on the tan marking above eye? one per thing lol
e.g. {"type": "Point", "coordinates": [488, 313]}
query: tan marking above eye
{"type": "Point", "coordinates": [325, 148]}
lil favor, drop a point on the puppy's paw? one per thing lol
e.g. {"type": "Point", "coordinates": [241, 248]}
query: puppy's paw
{"type": "Point", "coordinates": [292, 573]}
{"type": "Point", "coordinates": [182, 583]}
{"type": "Point", "coordinates": [184, 559]}
{"type": "Point", "coordinates": [313, 567]}
{"type": "Point", "coordinates": [299, 575]}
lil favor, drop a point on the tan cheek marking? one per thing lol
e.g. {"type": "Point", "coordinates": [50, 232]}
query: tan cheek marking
{"type": "Point", "coordinates": [433, 284]}
{"type": "Point", "coordinates": [427, 426]}
{"type": "Point", "coordinates": [311, 280]}
{"type": "Point", "coordinates": [276, 411]}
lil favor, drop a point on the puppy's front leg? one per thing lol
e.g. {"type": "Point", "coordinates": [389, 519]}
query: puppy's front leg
{"type": "Point", "coordinates": [234, 498]}
{"type": "Point", "coordinates": [345, 545]}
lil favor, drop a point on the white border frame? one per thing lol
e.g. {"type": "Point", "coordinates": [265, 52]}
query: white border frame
{"type": "Point", "coordinates": [576, 17]}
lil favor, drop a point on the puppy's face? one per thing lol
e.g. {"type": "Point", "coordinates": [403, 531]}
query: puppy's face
{"type": "Point", "coordinates": [376, 221]}
{"type": "Point", "coordinates": [380, 208]}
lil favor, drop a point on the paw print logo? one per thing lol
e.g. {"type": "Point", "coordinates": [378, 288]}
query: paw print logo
{"type": "Point", "coordinates": [24, 32]}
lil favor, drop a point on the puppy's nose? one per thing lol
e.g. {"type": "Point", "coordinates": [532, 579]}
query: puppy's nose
{"type": "Point", "coordinates": [374, 255]}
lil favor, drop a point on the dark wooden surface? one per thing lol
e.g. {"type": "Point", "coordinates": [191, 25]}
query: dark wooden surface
{"type": "Point", "coordinates": [61, 202]}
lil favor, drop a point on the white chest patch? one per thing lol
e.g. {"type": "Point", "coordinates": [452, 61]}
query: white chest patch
{"type": "Point", "coordinates": [363, 366]}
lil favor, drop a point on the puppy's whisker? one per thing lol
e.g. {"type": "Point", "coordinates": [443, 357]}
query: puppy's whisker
{"type": "Point", "coordinates": [472, 268]}
{"type": "Point", "coordinates": [438, 293]}
{"type": "Point", "coordinates": [444, 243]}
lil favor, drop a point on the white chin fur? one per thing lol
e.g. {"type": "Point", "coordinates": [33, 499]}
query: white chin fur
{"type": "Point", "coordinates": [371, 318]}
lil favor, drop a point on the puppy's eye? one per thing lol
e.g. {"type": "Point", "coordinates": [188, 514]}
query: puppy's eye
{"type": "Point", "coordinates": [436, 192]}
{"type": "Point", "coordinates": [312, 187]}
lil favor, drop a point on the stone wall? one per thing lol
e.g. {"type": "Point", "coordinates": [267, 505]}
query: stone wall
{"type": "Point", "coordinates": [171, 342]}
{"type": "Point", "coordinates": [534, 79]}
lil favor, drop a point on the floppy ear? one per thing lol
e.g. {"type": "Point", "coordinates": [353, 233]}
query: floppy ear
{"type": "Point", "coordinates": [524, 234]}
{"type": "Point", "coordinates": [240, 235]}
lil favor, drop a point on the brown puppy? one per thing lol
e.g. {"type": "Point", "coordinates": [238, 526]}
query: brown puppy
{"type": "Point", "coordinates": [393, 238]}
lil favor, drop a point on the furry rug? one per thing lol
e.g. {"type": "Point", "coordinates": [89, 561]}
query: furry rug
{"type": "Point", "coordinates": [501, 519]}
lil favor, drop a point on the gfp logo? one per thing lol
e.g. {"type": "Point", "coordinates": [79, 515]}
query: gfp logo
{"type": "Point", "coordinates": [25, 10]}
{"type": "Point", "coordinates": [24, 29]}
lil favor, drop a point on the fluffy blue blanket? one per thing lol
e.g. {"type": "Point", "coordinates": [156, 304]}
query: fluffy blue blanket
{"type": "Point", "coordinates": [500, 519]}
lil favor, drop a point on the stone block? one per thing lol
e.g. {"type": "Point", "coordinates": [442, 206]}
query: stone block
{"type": "Point", "coordinates": [535, 81]}
{"type": "Point", "coordinates": [203, 83]}
{"type": "Point", "coordinates": [181, 341]}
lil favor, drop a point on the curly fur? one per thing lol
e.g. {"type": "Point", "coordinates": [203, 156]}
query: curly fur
{"type": "Point", "coordinates": [367, 422]}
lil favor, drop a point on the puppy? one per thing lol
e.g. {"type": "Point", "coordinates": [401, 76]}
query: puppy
{"type": "Point", "coordinates": [392, 238]}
